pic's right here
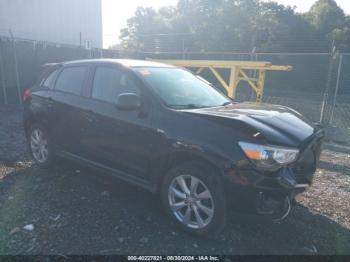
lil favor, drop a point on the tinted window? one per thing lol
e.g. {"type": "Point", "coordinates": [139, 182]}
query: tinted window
{"type": "Point", "coordinates": [71, 80]}
{"type": "Point", "coordinates": [49, 81]}
{"type": "Point", "coordinates": [109, 83]}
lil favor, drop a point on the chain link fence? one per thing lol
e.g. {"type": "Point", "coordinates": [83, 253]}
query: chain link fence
{"type": "Point", "coordinates": [318, 87]}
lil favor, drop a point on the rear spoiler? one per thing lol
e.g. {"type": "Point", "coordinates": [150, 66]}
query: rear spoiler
{"type": "Point", "coordinates": [49, 65]}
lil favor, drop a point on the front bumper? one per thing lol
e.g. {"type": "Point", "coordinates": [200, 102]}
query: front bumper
{"type": "Point", "coordinates": [272, 193]}
{"type": "Point", "coordinates": [285, 181]}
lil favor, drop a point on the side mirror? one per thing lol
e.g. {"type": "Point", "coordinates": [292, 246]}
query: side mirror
{"type": "Point", "coordinates": [128, 102]}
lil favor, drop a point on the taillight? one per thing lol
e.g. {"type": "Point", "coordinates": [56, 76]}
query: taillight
{"type": "Point", "coordinates": [27, 95]}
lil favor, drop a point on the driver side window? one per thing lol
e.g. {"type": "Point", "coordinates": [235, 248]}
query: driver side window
{"type": "Point", "coordinates": [110, 82]}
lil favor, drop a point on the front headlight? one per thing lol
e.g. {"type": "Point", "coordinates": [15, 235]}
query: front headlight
{"type": "Point", "coordinates": [269, 157]}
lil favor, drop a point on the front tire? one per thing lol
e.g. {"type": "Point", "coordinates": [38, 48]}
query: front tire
{"type": "Point", "coordinates": [40, 146]}
{"type": "Point", "coordinates": [193, 198]}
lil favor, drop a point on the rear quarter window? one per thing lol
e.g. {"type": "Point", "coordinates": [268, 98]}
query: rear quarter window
{"type": "Point", "coordinates": [71, 79]}
{"type": "Point", "coordinates": [48, 82]}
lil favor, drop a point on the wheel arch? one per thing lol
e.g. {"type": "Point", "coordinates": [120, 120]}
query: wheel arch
{"type": "Point", "coordinates": [36, 119]}
{"type": "Point", "coordinates": [174, 159]}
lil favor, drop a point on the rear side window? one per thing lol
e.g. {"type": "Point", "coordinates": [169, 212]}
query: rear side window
{"type": "Point", "coordinates": [71, 79]}
{"type": "Point", "coordinates": [110, 82]}
{"type": "Point", "coordinates": [49, 81]}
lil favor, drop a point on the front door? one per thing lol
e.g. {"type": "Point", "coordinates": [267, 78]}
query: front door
{"type": "Point", "coordinates": [121, 140]}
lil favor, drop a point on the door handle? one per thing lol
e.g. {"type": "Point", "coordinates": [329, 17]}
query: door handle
{"type": "Point", "coordinates": [50, 102]}
{"type": "Point", "coordinates": [89, 115]}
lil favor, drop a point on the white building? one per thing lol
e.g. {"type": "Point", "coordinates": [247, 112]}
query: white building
{"type": "Point", "coordinates": [71, 22]}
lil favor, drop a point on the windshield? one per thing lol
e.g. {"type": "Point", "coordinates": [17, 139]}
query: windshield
{"type": "Point", "coordinates": [179, 88]}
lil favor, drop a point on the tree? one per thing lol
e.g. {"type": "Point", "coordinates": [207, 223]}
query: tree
{"type": "Point", "coordinates": [325, 15]}
{"type": "Point", "coordinates": [148, 26]}
{"type": "Point", "coordinates": [341, 37]}
{"type": "Point", "coordinates": [329, 23]}
{"type": "Point", "coordinates": [279, 28]}
{"type": "Point", "coordinates": [238, 25]}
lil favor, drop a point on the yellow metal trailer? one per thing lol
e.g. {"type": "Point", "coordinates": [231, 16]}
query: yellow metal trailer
{"type": "Point", "coordinates": [237, 72]}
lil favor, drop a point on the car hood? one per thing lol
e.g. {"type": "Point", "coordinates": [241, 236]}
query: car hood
{"type": "Point", "coordinates": [277, 124]}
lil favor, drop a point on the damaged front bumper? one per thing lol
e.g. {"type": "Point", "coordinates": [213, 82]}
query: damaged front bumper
{"type": "Point", "coordinates": [273, 193]}
{"type": "Point", "coordinates": [274, 197]}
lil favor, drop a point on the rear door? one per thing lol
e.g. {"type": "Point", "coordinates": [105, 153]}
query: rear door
{"type": "Point", "coordinates": [67, 100]}
{"type": "Point", "coordinates": [116, 139]}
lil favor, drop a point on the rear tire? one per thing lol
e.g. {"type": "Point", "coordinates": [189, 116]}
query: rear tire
{"type": "Point", "coordinates": [40, 146]}
{"type": "Point", "coordinates": [193, 198]}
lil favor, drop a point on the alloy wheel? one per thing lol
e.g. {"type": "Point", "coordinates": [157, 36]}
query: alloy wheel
{"type": "Point", "coordinates": [39, 146]}
{"type": "Point", "coordinates": [191, 201]}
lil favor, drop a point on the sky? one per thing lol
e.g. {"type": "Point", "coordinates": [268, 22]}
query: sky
{"type": "Point", "coordinates": [116, 12]}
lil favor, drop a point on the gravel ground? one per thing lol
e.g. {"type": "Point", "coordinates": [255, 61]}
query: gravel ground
{"type": "Point", "coordinates": [71, 210]}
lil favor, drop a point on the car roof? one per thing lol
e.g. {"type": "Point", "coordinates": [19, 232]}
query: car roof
{"type": "Point", "coordinates": [130, 63]}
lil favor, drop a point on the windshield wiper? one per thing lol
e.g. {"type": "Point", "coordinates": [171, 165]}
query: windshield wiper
{"type": "Point", "coordinates": [188, 106]}
{"type": "Point", "coordinates": [227, 103]}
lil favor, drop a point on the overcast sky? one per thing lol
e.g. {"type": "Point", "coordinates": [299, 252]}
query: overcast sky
{"type": "Point", "coordinates": [116, 12]}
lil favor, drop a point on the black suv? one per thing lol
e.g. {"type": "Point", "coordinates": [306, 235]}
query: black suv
{"type": "Point", "coordinates": [164, 129]}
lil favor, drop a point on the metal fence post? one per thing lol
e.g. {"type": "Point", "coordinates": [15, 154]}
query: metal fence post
{"type": "Point", "coordinates": [183, 48]}
{"type": "Point", "coordinates": [253, 73]}
{"type": "Point", "coordinates": [2, 75]}
{"type": "Point", "coordinates": [333, 56]}
{"type": "Point", "coordinates": [16, 67]}
{"type": "Point", "coordinates": [336, 88]}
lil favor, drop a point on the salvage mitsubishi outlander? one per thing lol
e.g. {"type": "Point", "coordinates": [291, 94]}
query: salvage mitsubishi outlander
{"type": "Point", "coordinates": [164, 129]}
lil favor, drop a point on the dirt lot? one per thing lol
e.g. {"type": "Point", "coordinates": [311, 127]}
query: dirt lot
{"type": "Point", "coordinates": [69, 210]}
